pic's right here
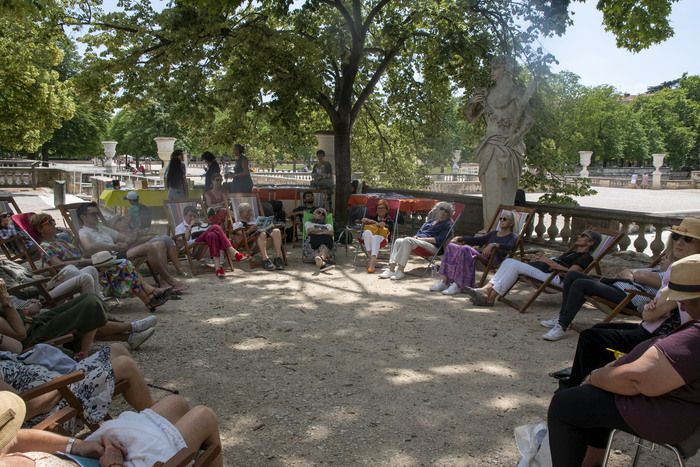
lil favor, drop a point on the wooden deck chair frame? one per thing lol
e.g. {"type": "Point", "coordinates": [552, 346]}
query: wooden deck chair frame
{"type": "Point", "coordinates": [14, 248]}
{"type": "Point", "coordinates": [70, 218]}
{"type": "Point", "coordinates": [371, 211]}
{"type": "Point", "coordinates": [249, 245]}
{"type": "Point", "coordinates": [617, 307]}
{"type": "Point", "coordinates": [608, 243]}
{"type": "Point", "coordinates": [174, 210]}
{"type": "Point", "coordinates": [523, 218]}
{"type": "Point", "coordinates": [432, 257]}
{"type": "Point", "coordinates": [306, 246]}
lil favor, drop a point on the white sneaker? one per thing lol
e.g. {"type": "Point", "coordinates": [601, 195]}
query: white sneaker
{"type": "Point", "coordinates": [439, 286]}
{"type": "Point", "coordinates": [555, 333]}
{"type": "Point", "coordinates": [319, 261]}
{"type": "Point", "coordinates": [143, 324]}
{"type": "Point", "coordinates": [453, 289]}
{"type": "Point", "coordinates": [386, 274]}
{"type": "Point", "coordinates": [550, 323]}
{"type": "Point", "coordinates": [138, 338]}
{"type": "Point", "coordinates": [397, 276]}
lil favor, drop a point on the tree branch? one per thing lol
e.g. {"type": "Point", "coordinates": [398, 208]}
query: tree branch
{"type": "Point", "coordinates": [374, 12]}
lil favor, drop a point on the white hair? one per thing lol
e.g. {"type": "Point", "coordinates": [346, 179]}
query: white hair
{"type": "Point", "coordinates": [441, 205]}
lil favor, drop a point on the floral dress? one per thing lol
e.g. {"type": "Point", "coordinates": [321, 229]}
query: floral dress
{"type": "Point", "coordinates": [121, 277]}
{"type": "Point", "coordinates": [95, 390]}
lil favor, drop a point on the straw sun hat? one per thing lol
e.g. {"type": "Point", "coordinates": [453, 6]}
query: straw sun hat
{"type": "Point", "coordinates": [684, 283]}
{"type": "Point", "coordinates": [12, 412]}
{"type": "Point", "coordinates": [690, 227]}
{"type": "Point", "coordinates": [102, 259]}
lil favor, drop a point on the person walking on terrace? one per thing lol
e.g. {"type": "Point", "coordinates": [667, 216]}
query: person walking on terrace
{"type": "Point", "coordinates": [176, 177]}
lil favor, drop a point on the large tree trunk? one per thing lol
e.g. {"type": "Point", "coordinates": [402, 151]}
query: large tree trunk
{"type": "Point", "coordinates": [343, 170]}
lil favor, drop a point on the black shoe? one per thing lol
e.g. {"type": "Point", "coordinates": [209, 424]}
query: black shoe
{"type": "Point", "coordinates": [267, 265]}
{"type": "Point", "coordinates": [279, 263]}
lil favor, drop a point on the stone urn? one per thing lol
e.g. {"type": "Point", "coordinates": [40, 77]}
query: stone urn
{"type": "Point", "coordinates": [584, 158]}
{"type": "Point", "coordinates": [110, 149]}
{"type": "Point", "coordinates": [166, 146]}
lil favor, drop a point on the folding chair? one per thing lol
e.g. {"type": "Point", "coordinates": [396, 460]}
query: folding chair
{"type": "Point", "coordinates": [371, 211]}
{"type": "Point", "coordinates": [248, 244]}
{"type": "Point", "coordinates": [175, 210]}
{"type": "Point", "coordinates": [432, 257]}
{"type": "Point", "coordinates": [609, 240]}
{"type": "Point", "coordinates": [308, 254]}
{"type": "Point", "coordinates": [319, 201]}
{"type": "Point", "coordinates": [522, 218]}
{"type": "Point", "coordinates": [682, 451]}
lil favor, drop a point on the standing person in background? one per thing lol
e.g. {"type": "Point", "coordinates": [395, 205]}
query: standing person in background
{"type": "Point", "coordinates": [212, 169]}
{"type": "Point", "coordinates": [242, 181]}
{"type": "Point", "coordinates": [322, 172]}
{"type": "Point", "coordinates": [176, 177]}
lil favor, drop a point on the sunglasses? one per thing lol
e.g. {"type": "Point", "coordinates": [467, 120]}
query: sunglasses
{"type": "Point", "coordinates": [585, 236]}
{"type": "Point", "coordinates": [503, 219]}
{"type": "Point", "coordinates": [443, 209]}
{"type": "Point", "coordinates": [48, 221]}
{"type": "Point", "coordinates": [320, 213]}
{"type": "Point", "coordinates": [676, 236]}
{"type": "Point", "coordinates": [4, 216]}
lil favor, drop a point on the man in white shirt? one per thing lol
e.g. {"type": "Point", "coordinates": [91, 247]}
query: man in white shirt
{"type": "Point", "coordinates": [96, 237]}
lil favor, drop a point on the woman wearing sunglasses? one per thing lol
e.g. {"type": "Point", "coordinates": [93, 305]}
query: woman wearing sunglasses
{"type": "Point", "coordinates": [659, 318]}
{"type": "Point", "coordinates": [458, 266]}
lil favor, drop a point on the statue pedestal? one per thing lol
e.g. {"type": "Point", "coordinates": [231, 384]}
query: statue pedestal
{"type": "Point", "coordinates": [658, 161]}
{"type": "Point", "coordinates": [584, 158]}
{"type": "Point", "coordinates": [110, 149]}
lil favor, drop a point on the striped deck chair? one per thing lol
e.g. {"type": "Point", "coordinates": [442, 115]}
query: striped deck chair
{"type": "Point", "coordinates": [432, 257]}
{"type": "Point", "coordinates": [20, 248]}
{"type": "Point", "coordinates": [609, 240]}
{"type": "Point", "coordinates": [308, 254]}
{"type": "Point", "coordinates": [175, 213]}
{"type": "Point", "coordinates": [523, 217]}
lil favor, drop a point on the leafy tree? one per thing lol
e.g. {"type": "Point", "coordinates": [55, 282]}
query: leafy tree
{"type": "Point", "coordinates": [34, 99]}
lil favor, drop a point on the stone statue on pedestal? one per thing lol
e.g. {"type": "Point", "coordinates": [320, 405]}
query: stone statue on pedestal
{"type": "Point", "coordinates": [501, 152]}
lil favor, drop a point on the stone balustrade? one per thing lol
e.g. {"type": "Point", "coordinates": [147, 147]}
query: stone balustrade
{"type": "Point", "coordinates": [17, 176]}
{"type": "Point", "coordinates": [281, 178]}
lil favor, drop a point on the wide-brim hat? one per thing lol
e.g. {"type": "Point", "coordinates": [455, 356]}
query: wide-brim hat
{"type": "Point", "coordinates": [690, 227]}
{"type": "Point", "coordinates": [102, 259]}
{"type": "Point", "coordinates": [12, 412]}
{"type": "Point", "coordinates": [684, 282]}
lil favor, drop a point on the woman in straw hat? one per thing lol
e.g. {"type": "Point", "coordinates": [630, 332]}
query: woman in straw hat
{"type": "Point", "coordinates": [458, 266]}
{"type": "Point", "coordinates": [133, 439]}
{"type": "Point", "coordinates": [652, 392]}
{"type": "Point", "coordinates": [658, 318]}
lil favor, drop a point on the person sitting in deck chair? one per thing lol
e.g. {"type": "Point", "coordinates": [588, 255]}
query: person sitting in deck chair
{"type": "Point", "coordinates": [320, 239]}
{"type": "Point", "coordinates": [577, 259]}
{"type": "Point", "coordinates": [431, 236]}
{"type": "Point", "coordinates": [248, 223]}
{"type": "Point", "coordinates": [96, 237]}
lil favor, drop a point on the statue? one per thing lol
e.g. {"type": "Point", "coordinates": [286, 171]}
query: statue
{"type": "Point", "coordinates": [500, 153]}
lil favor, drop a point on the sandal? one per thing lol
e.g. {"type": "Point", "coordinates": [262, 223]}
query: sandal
{"type": "Point", "coordinates": [157, 300]}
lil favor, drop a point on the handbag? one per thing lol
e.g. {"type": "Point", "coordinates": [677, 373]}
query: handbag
{"type": "Point", "coordinates": [197, 230]}
{"type": "Point", "coordinates": [377, 230]}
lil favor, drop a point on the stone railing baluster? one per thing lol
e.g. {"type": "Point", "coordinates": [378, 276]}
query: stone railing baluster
{"type": "Point", "coordinates": [657, 245]}
{"type": "Point", "coordinates": [640, 244]}
{"type": "Point", "coordinates": [540, 228]}
{"type": "Point", "coordinates": [566, 230]}
{"type": "Point", "coordinates": [625, 241]}
{"type": "Point", "coordinates": [553, 230]}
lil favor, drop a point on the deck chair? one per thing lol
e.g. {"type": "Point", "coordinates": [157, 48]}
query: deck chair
{"type": "Point", "coordinates": [308, 254]}
{"type": "Point", "coordinates": [175, 212]}
{"type": "Point", "coordinates": [371, 211]}
{"type": "Point", "coordinates": [609, 240]}
{"type": "Point", "coordinates": [69, 212]}
{"type": "Point", "coordinates": [20, 248]}
{"type": "Point", "coordinates": [248, 244]}
{"type": "Point", "coordinates": [523, 217]}
{"type": "Point", "coordinates": [626, 303]}
{"type": "Point", "coordinates": [432, 257]}
{"type": "Point", "coordinates": [320, 200]}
